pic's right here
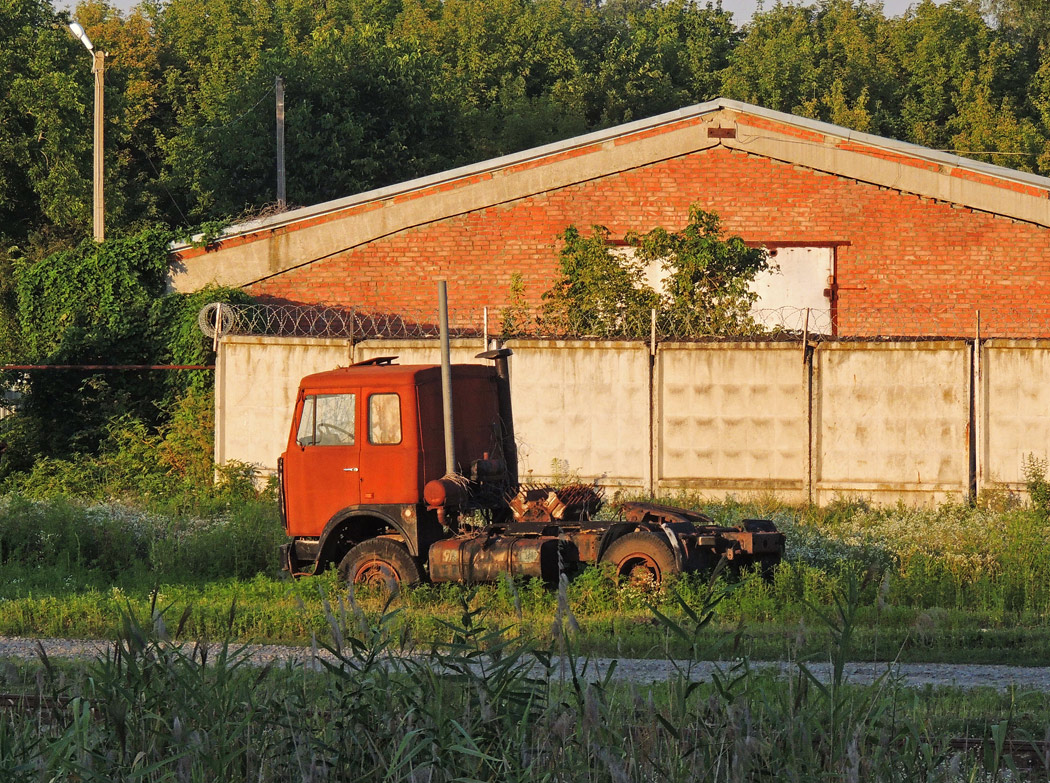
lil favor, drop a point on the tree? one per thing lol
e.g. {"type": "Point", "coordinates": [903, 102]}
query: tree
{"type": "Point", "coordinates": [45, 155]}
{"type": "Point", "coordinates": [826, 61]}
{"type": "Point", "coordinates": [660, 56]}
{"type": "Point", "coordinates": [950, 60]}
{"type": "Point", "coordinates": [706, 291]}
{"type": "Point", "coordinates": [101, 303]}
{"type": "Point", "coordinates": [599, 292]}
{"type": "Point", "coordinates": [1029, 18]}
{"type": "Point", "coordinates": [604, 291]}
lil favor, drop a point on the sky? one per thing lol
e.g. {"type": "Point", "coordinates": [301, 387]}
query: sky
{"type": "Point", "coordinates": [741, 9]}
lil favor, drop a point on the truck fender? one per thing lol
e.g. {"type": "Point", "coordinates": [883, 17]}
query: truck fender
{"type": "Point", "coordinates": [614, 532]}
{"type": "Point", "coordinates": [352, 526]}
{"type": "Point", "coordinates": [676, 545]}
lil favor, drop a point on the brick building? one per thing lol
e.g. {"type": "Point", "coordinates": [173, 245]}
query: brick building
{"type": "Point", "coordinates": [890, 238]}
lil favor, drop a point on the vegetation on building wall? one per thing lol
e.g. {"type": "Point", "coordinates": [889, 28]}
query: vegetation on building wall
{"type": "Point", "coordinates": [603, 290]}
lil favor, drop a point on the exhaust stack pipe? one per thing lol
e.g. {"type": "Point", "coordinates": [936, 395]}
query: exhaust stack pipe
{"type": "Point", "coordinates": [446, 378]}
{"type": "Point", "coordinates": [510, 448]}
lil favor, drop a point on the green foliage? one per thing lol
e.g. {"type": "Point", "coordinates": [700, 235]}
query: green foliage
{"type": "Point", "coordinates": [105, 304]}
{"type": "Point", "coordinates": [1033, 469]}
{"type": "Point", "coordinates": [516, 317]}
{"type": "Point", "coordinates": [483, 705]}
{"type": "Point", "coordinates": [171, 465]}
{"type": "Point", "coordinates": [44, 153]}
{"type": "Point", "coordinates": [228, 537]}
{"type": "Point", "coordinates": [93, 296]}
{"type": "Point", "coordinates": [381, 92]}
{"type": "Point", "coordinates": [598, 292]}
{"type": "Point", "coordinates": [604, 291]}
{"type": "Point", "coordinates": [706, 290]}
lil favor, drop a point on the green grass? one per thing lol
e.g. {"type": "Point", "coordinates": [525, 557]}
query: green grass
{"type": "Point", "coordinates": [948, 584]}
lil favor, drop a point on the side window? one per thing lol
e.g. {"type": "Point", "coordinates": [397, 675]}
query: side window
{"type": "Point", "coordinates": [306, 436]}
{"type": "Point", "coordinates": [384, 419]}
{"type": "Point", "coordinates": [327, 420]}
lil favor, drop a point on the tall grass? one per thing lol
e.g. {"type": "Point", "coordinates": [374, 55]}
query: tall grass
{"type": "Point", "coordinates": [113, 541]}
{"type": "Point", "coordinates": [483, 706]}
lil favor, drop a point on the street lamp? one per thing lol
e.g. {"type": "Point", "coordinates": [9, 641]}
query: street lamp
{"type": "Point", "coordinates": [98, 66]}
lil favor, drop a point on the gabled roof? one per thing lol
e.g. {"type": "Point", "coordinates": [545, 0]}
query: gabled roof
{"type": "Point", "coordinates": [309, 234]}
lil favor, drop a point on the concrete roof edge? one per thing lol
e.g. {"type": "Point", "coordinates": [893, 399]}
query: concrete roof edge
{"type": "Point", "coordinates": [619, 131]}
{"type": "Point", "coordinates": [885, 142]}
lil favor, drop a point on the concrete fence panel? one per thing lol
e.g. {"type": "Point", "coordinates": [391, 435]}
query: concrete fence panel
{"type": "Point", "coordinates": [731, 418]}
{"type": "Point", "coordinates": [582, 406]}
{"type": "Point", "coordinates": [256, 380]}
{"type": "Point", "coordinates": [891, 421]}
{"type": "Point", "coordinates": [883, 421]}
{"type": "Point", "coordinates": [1013, 409]}
{"type": "Point", "coordinates": [420, 351]}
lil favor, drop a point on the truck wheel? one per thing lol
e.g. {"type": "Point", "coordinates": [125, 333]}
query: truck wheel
{"type": "Point", "coordinates": [641, 559]}
{"type": "Point", "coordinates": [380, 562]}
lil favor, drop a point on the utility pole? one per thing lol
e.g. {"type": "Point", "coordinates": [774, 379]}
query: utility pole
{"type": "Point", "coordinates": [98, 68]}
{"type": "Point", "coordinates": [98, 208]}
{"type": "Point", "coordinates": [282, 196]}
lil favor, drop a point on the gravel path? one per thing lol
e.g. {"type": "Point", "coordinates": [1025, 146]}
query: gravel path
{"type": "Point", "coordinates": [641, 670]}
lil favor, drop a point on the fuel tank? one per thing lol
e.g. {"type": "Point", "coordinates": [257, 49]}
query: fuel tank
{"type": "Point", "coordinates": [483, 558]}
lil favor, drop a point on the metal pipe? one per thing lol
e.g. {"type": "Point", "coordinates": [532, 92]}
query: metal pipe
{"type": "Point", "coordinates": [31, 367]}
{"type": "Point", "coordinates": [446, 378]}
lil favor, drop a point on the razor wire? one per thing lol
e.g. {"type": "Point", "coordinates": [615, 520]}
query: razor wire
{"type": "Point", "coordinates": [890, 322]}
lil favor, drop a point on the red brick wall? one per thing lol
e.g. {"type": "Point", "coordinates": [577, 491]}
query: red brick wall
{"type": "Point", "coordinates": [911, 265]}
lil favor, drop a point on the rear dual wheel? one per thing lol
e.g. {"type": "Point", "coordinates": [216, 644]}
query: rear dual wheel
{"type": "Point", "coordinates": [641, 559]}
{"type": "Point", "coordinates": [382, 563]}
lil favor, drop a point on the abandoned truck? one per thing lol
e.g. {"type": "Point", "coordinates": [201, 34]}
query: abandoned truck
{"type": "Point", "coordinates": [377, 482]}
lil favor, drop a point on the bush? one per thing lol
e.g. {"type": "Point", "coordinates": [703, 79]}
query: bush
{"type": "Point", "coordinates": [603, 292]}
{"type": "Point", "coordinates": [1034, 470]}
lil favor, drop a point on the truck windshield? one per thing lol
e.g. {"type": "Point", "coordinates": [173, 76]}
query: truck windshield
{"type": "Point", "coordinates": [327, 420]}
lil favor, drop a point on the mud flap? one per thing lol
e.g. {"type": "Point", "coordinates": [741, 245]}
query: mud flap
{"type": "Point", "coordinates": [285, 555]}
{"type": "Point", "coordinates": [676, 546]}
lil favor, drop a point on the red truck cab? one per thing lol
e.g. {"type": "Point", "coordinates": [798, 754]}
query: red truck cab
{"type": "Point", "coordinates": [364, 442]}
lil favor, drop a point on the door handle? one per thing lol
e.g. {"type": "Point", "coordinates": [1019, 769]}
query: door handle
{"type": "Point", "coordinates": [350, 470]}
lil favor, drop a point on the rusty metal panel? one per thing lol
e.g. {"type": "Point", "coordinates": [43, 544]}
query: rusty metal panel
{"type": "Point", "coordinates": [583, 406]}
{"type": "Point", "coordinates": [891, 421]}
{"type": "Point", "coordinates": [1015, 407]}
{"type": "Point", "coordinates": [731, 418]}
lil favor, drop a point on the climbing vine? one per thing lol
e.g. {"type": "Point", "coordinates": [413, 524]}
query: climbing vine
{"type": "Point", "coordinates": [106, 304]}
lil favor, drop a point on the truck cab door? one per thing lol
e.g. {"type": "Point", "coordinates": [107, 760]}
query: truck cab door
{"type": "Point", "coordinates": [322, 467]}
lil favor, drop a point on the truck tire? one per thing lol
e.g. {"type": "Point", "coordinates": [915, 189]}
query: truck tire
{"type": "Point", "coordinates": [380, 562]}
{"type": "Point", "coordinates": [641, 559]}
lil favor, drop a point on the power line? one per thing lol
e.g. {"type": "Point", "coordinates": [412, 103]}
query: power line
{"type": "Point", "coordinates": [239, 117]}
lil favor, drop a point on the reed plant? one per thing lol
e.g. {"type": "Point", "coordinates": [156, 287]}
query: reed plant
{"type": "Point", "coordinates": [486, 705]}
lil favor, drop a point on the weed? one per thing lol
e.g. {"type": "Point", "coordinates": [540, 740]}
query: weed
{"type": "Point", "coordinates": [1034, 470]}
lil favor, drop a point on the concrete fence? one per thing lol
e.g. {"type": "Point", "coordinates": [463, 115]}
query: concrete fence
{"type": "Point", "coordinates": [919, 421]}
